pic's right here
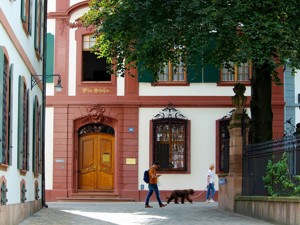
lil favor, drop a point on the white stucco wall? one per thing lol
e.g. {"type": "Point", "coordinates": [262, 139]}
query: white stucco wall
{"type": "Point", "coordinates": [73, 2]}
{"type": "Point", "coordinates": [194, 89]}
{"type": "Point", "coordinates": [11, 11]}
{"type": "Point", "coordinates": [72, 52]}
{"type": "Point", "coordinates": [120, 86]}
{"type": "Point", "coordinates": [203, 123]}
{"type": "Point", "coordinates": [51, 5]}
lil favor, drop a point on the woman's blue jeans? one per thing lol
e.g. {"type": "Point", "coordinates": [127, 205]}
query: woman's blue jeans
{"type": "Point", "coordinates": [153, 187]}
{"type": "Point", "coordinates": [210, 193]}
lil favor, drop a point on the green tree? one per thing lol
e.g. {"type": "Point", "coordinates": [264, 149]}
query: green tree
{"type": "Point", "coordinates": [151, 32]}
{"type": "Point", "coordinates": [278, 181]}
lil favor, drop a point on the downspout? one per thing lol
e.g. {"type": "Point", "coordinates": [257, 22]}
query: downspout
{"type": "Point", "coordinates": [44, 101]}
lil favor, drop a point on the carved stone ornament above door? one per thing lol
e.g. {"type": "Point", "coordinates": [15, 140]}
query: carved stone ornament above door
{"type": "Point", "coordinates": [96, 114]}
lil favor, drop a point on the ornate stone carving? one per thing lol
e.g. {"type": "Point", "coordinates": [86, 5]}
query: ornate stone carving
{"type": "Point", "coordinates": [239, 100]}
{"type": "Point", "coordinates": [65, 22]}
{"type": "Point", "coordinates": [95, 114]}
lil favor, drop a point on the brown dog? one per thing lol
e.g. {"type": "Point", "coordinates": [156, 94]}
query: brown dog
{"type": "Point", "coordinates": [183, 194]}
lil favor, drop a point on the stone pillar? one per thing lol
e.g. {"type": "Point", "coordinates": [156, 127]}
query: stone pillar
{"type": "Point", "coordinates": [231, 183]}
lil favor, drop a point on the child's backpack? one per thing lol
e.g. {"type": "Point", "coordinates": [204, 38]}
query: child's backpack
{"type": "Point", "coordinates": [146, 176]}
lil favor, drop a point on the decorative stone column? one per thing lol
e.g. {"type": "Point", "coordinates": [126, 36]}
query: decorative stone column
{"type": "Point", "coordinates": [231, 183]}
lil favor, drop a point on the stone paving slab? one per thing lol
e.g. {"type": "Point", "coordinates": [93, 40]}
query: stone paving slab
{"type": "Point", "coordinates": [134, 213]}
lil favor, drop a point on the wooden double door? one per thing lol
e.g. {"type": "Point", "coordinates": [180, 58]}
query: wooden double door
{"type": "Point", "coordinates": [96, 162]}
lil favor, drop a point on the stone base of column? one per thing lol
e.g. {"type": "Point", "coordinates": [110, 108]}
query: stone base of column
{"type": "Point", "coordinates": [230, 185]}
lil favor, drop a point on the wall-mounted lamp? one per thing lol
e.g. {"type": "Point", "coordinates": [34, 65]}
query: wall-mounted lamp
{"type": "Point", "coordinates": [36, 80]}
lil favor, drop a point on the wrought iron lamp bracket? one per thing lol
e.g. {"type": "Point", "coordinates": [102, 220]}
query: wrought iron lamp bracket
{"type": "Point", "coordinates": [35, 79]}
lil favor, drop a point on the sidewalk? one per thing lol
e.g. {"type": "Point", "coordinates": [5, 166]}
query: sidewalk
{"type": "Point", "coordinates": [135, 213]}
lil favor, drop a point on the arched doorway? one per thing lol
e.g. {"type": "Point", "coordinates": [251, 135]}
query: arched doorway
{"type": "Point", "coordinates": [96, 157]}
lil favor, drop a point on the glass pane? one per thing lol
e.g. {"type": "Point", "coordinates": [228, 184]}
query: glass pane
{"type": "Point", "coordinates": [164, 76]}
{"type": "Point", "coordinates": [170, 141]}
{"type": "Point", "coordinates": [88, 42]}
{"type": "Point", "coordinates": [175, 77]}
{"type": "Point", "coordinates": [86, 45]}
{"type": "Point", "coordinates": [243, 72]}
{"type": "Point", "coordinates": [177, 155]}
{"type": "Point", "coordinates": [181, 72]}
{"type": "Point", "coordinates": [86, 38]}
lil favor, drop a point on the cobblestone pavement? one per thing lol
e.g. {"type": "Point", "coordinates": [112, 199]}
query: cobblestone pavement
{"type": "Point", "coordinates": [134, 213]}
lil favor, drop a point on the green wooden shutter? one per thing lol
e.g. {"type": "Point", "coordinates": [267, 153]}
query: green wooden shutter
{"type": "Point", "coordinates": [10, 120]}
{"type": "Point", "coordinates": [36, 25]}
{"type": "Point", "coordinates": [195, 73]}
{"type": "Point", "coordinates": [211, 74]}
{"type": "Point", "coordinates": [20, 124]}
{"type": "Point", "coordinates": [29, 16]}
{"type": "Point", "coordinates": [40, 164]}
{"type": "Point", "coordinates": [34, 137]}
{"type": "Point", "coordinates": [27, 129]}
{"type": "Point", "coordinates": [50, 56]}
{"type": "Point", "coordinates": [208, 74]}
{"type": "Point", "coordinates": [145, 76]}
{"type": "Point", "coordinates": [2, 157]}
{"type": "Point", "coordinates": [23, 11]}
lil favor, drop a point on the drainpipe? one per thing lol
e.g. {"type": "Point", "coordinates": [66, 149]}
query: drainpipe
{"type": "Point", "coordinates": [44, 101]}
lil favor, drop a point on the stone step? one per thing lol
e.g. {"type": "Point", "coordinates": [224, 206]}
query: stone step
{"type": "Point", "coordinates": [94, 199]}
{"type": "Point", "coordinates": [94, 196]}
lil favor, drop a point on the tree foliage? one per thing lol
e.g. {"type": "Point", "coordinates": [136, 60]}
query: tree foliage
{"type": "Point", "coordinates": [278, 181]}
{"type": "Point", "coordinates": [151, 32]}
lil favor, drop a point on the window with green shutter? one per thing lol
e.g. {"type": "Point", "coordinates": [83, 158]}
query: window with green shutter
{"type": "Point", "coordinates": [145, 76]}
{"type": "Point", "coordinates": [26, 15]}
{"type": "Point", "coordinates": [211, 74]}
{"type": "Point", "coordinates": [36, 136]}
{"type": "Point", "coordinates": [50, 57]}
{"type": "Point", "coordinates": [4, 109]}
{"type": "Point", "coordinates": [10, 110]}
{"type": "Point", "coordinates": [197, 73]}
{"type": "Point", "coordinates": [23, 149]}
{"type": "Point", "coordinates": [2, 152]}
{"type": "Point", "coordinates": [38, 27]}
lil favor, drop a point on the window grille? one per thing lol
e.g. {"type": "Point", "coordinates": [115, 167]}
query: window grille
{"type": "Point", "coordinates": [170, 140]}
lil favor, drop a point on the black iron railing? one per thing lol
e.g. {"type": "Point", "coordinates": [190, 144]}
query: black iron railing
{"type": "Point", "coordinates": [255, 159]}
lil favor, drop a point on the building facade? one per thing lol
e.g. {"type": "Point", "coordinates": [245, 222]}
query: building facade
{"type": "Point", "coordinates": [21, 61]}
{"type": "Point", "coordinates": [292, 99]}
{"type": "Point", "coordinates": [103, 131]}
